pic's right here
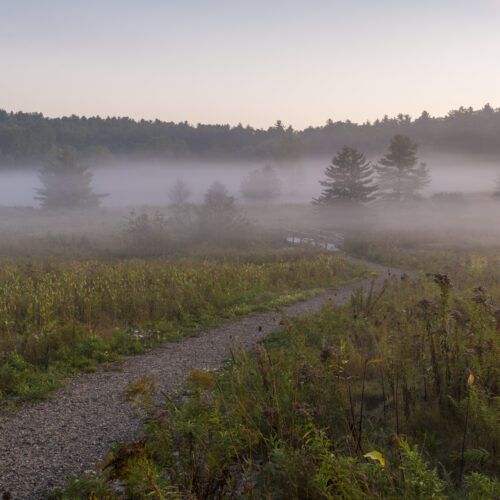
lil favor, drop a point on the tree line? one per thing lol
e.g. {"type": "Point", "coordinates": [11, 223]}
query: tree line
{"type": "Point", "coordinates": [29, 137]}
{"type": "Point", "coordinates": [349, 180]}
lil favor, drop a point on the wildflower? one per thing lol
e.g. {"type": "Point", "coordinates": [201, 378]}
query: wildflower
{"type": "Point", "coordinates": [442, 280]}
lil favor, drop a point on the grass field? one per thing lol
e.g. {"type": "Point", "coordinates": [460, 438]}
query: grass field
{"type": "Point", "coordinates": [390, 396]}
{"type": "Point", "coordinates": [60, 315]}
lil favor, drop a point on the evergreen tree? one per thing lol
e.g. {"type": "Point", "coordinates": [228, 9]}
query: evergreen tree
{"type": "Point", "coordinates": [66, 183]}
{"type": "Point", "coordinates": [400, 176]}
{"type": "Point", "coordinates": [261, 185]}
{"type": "Point", "coordinates": [349, 180]}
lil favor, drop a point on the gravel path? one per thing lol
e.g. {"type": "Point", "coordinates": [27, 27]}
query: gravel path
{"type": "Point", "coordinates": [73, 431]}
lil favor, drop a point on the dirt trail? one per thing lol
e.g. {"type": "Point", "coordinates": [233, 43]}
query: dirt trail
{"type": "Point", "coordinates": [73, 431]}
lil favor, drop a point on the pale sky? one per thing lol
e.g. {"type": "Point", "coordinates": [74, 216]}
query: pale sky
{"type": "Point", "coordinates": [230, 61]}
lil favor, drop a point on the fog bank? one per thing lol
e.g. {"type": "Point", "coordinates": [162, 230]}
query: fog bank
{"type": "Point", "coordinates": [148, 183]}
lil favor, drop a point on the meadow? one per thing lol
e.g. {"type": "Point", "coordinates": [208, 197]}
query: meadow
{"type": "Point", "coordinates": [62, 315]}
{"type": "Point", "coordinates": [394, 395]}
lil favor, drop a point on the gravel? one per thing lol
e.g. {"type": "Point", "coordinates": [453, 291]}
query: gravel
{"type": "Point", "coordinates": [70, 433]}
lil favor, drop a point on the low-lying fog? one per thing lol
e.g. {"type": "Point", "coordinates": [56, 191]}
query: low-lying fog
{"type": "Point", "coordinates": [145, 183]}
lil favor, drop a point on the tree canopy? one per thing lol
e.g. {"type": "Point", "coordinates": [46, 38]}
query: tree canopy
{"type": "Point", "coordinates": [26, 138]}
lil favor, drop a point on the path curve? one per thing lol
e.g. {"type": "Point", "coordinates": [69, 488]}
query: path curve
{"type": "Point", "coordinates": [70, 433]}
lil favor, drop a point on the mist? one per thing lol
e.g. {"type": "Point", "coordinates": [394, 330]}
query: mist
{"type": "Point", "coordinates": [134, 183]}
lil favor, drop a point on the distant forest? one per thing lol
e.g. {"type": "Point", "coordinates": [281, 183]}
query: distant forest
{"type": "Point", "coordinates": [26, 138]}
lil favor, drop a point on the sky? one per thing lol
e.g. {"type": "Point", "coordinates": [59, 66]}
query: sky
{"type": "Point", "coordinates": [254, 62]}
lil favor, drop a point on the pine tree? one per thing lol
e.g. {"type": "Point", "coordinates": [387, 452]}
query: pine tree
{"type": "Point", "coordinates": [261, 185]}
{"type": "Point", "coordinates": [66, 183]}
{"type": "Point", "coordinates": [349, 180]}
{"type": "Point", "coordinates": [400, 176]}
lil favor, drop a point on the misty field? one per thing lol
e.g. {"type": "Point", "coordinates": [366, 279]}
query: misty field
{"type": "Point", "coordinates": [394, 395]}
{"type": "Point", "coordinates": [232, 265]}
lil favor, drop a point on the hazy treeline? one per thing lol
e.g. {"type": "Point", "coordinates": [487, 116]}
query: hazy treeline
{"type": "Point", "coordinates": [28, 137]}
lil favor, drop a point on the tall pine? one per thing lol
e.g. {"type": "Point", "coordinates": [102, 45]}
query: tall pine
{"type": "Point", "coordinates": [66, 183]}
{"type": "Point", "coordinates": [349, 180]}
{"type": "Point", "coordinates": [400, 176]}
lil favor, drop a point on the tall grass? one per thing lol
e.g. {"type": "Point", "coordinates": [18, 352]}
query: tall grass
{"type": "Point", "coordinates": [57, 316]}
{"type": "Point", "coordinates": [400, 400]}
